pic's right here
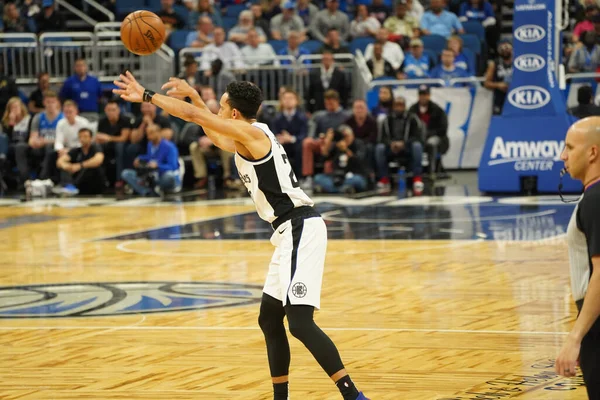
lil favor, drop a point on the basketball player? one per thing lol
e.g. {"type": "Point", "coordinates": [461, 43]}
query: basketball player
{"type": "Point", "coordinates": [582, 160]}
{"type": "Point", "coordinates": [293, 284]}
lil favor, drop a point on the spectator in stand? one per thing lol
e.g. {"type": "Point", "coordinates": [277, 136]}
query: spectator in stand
{"type": "Point", "coordinates": [364, 25]}
{"type": "Point", "coordinates": [362, 124]}
{"type": "Point", "coordinates": [226, 3]}
{"type": "Point", "coordinates": [114, 131]}
{"type": "Point", "coordinates": [438, 21]}
{"type": "Point", "coordinates": [36, 99]}
{"type": "Point", "coordinates": [392, 52]}
{"type": "Point", "coordinates": [293, 48]}
{"type": "Point", "coordinates": [239, 33]}
{"type": "Point", "coordinates": [347, 175]}
{"type": "Point", "coordinates": [401, 135]}
{"type": "Point", "coordinates": [30, 9]}
{"type": "Point", "coordinates": [260, 19]}
{"type": "Point", "coordinates": [83, 89]}
{"type": "Point", "coordinates": [204, 34]}
{"type": "Point", "coordinates": [417, 64]}
{"type": "Point", "coordinates": [386, 101]}
{"type": "Point", "coordinates": [207, 93]}
{"type": "Point", "coordinates": [15, 127]}
{"type": "Point", "coordinates": [228, 52]}
{"type": "Point", "coordinates": [435, 122]}
{"type": "Point", "coordinates": [162, 159]}
{"type": "Point", "coordinates": [586, 107]}
{"type": "Point", "coordinates": [587, 57]}
{"type": "Point", "coordinates": [334, 44]}
{"type": "Point", "coordinates": [321, 81]}
{"type": "Point", "coordinates": [379, 10]}
{"type": "Point", "coordinates": [587, 24]}
{"type": "Point", "coordinates": [50, 20]}
{"type": "Point", "coordinates": [402, 25]}
{"type": "Point", "coordinates": [378, 65]}
{"type": "Point", "coordinates": [204, 9]}
{"type": "Point", "coordinates": [67, 131]}
{"type": "Point", "coordinates": [139, 140]}
{"type": "Point", "coordinates": [291, 128]}
{"type": "Point", "coordinates": [499, 74]}
{"type": "Point", "coordinates": [8, 88]}
{"type": "Point", "coordinates": [40, 145]}
{"type": "Point", "coordinates": [455, 44]}
{"type": "Point", "coordinates": [81, 167]}
{"type": "Point", "coordinates": [256, 53]}
{"type": "Point", "coordinates": [331, 118]}
{"type": "Point", "coordinates": [13, 21]}
{"type": "Point", "coordinates": [415, 9]}
{"type": "Point", "coordinates": [202, 148]}
{"type": "Point", "coordinates": [447, 70]}
{"type": "Point", "coordinates": [221, 76]}
{"type": "Point", "coordinates": [307, 11]}
{"type": "Point", "coordinates": [481, 11]}
{"type": "Point", "coordinates": [286, 22]}
{"type": "Point", "coordinates": [169, 17]}
{"type": "Point", "coordinates": [329, 18]}
{"type": "Point", "coordinates": [190, 72]}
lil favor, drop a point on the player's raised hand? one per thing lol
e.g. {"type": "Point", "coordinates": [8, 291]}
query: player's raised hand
{"type": "Point", "coordinates": [129, 88]}
{"type": "Point", "coordinates": [179, 88]}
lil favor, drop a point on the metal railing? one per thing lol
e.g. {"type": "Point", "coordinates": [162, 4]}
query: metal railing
{"type": "Point", "coordinates": [101, 8]}
{"type": "Point", "coordinates": [407, 82]}
{"type": "Point", "coordinates": [20, 56]}
{"type": "Point", "coordinates": [58, 52]}
{"type": "Point", "coordinates": [78, 12]}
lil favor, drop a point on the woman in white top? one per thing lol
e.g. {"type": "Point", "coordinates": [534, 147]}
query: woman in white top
{"type": "Point", "coordinates": [364, 24]}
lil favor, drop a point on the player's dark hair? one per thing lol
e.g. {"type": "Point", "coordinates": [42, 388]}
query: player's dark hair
{"type": "Point", "coordinates": [245, 97]}
{"type": "Point", "coordinates": [88, 130]}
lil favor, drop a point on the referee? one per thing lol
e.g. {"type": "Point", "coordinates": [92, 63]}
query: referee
{"type": "Point", "coordinates": [582, 346]}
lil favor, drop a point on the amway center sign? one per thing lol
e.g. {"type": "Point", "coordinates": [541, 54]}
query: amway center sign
{"type": "Point", "coordinates": [526, 155]}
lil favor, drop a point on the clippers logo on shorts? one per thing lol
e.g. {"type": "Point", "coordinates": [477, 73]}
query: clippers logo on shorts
{"type": "Point", "coordinates": [299, 290]}
{"type": "Point", "coordinates": [529, 63]}
{"type": "Point", "coordinates": [530, 33]}
{"type": "Point", "coordinates": [121, 298]}
{"type": "Point", "coordinates": [529, 97]}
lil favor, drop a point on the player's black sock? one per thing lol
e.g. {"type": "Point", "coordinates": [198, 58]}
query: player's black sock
{"type": "Point", "coordinates": [280, 391]}
{"type": "Point", "coordinates": [347, 388]}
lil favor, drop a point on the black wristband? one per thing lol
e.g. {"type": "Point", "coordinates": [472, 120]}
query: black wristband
{"type": "Point", "coordinates": [148, 94]}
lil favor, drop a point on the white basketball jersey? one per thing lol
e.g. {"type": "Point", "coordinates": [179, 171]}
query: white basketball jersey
{"type": "Point", "coordinates": [270, 181]}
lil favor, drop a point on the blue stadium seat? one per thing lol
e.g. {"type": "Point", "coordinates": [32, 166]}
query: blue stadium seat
{"type": "Point", "coordinates": [278, 44]}
{"type": "Point", "coordinates": [312, 46]}
{"type": "Point", "coordinates": [235, 10]}
{"type": "Point", "coordinates": [124, 7]}
{"type": "Point", "coordinates": [474, 28]}
{"type": "Point", "coordinates": [471, 42]}
{"type": "Point", "coordinates": [23, 97]}
{"type": "Point", "coordinates": [228, 23]}
{"type": "Point", "coordinates": [182, 11]}
{"type": "Point", "coordinates": [435, 43]}
{"type": "Point", "coordinates": [433, 56]}
{"type": "Point", "coordinates": [177, 40]}
{"type": "Point", "coordinates": [471, 59]}
{"type": "Point", "coordinates": [372, 98]}
{"type": "Point", "coordinates": [361, 44]}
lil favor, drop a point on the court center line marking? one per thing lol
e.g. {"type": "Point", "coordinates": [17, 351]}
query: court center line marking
{"type": "Point", "coordinates": [252, 328]}
{"type": "Point", "coordinates": [426, 220]}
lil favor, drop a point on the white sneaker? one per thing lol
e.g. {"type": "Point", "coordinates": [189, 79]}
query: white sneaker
{"type": "Point", "coordinates": [307, 183]}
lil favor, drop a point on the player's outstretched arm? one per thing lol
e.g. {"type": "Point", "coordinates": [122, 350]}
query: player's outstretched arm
{"type": "Point", "coordinates": [179, 88]}
{"type": "Point", "coordinates": [131, 90]}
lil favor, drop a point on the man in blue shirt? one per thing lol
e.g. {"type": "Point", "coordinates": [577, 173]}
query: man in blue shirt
{"type": "Point", "coordinates": [293, 48]}
{"type": "Point", "coordinates": [438, 21]}
{"type": "Point", "coordinates": [416, 64]}
{"type": "Point", "coordinates": [448, 71]}
{"type": "Point", "coordinates": [83, 89]}
{"type": "Point", "coordinates": [162, 163]}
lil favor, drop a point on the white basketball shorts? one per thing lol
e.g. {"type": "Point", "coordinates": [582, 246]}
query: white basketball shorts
{"type": "Point", "coordinates": [296, 268]}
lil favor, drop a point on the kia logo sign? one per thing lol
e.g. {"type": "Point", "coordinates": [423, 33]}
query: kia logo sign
{"type": "Point", "coordinates": [530, 62]}
{"type": "Point", "coordinates": [529, 97]}
{"type": "Point", "coordinates": [530, 33]}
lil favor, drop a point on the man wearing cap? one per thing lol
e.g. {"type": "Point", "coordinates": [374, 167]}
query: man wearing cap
{"type": "Point", "coordinates": [417, 63]}
{"type": "Point", "coordinates": [286, 22]}
{"type": "Point", "coordinates": [438, 21]}
{"type": "Point", "coordinates": [402, 24]}
{"type": "Point", "coordinates": [435, 121]}
{"type": "Point", "coordinates": [190, 73]}
{"type": "Point", "coordinates": [50, 20]}
{"type": "Point", "coordinates": [329, 18]}
{"type": "Point", "coordinates": [499, 74]}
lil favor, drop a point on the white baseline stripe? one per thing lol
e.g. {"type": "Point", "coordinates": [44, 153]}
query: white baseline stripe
{"type": "Point", "coordinates": [252, 328]}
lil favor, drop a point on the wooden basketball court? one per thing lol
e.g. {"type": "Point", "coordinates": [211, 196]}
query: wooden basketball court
{"type": "Point", "coordinates": [447, 298]}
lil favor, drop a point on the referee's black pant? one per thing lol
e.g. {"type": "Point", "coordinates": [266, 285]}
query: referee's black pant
{"type": "Point", "coordinates": [589, 360]}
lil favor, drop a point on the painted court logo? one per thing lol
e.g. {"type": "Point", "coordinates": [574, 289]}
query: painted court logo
{"type": "Point", "coordinates": [121, 298]}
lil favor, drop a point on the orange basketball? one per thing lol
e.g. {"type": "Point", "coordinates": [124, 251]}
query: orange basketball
{"type": "Point", "coordinates": [142, 32]}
